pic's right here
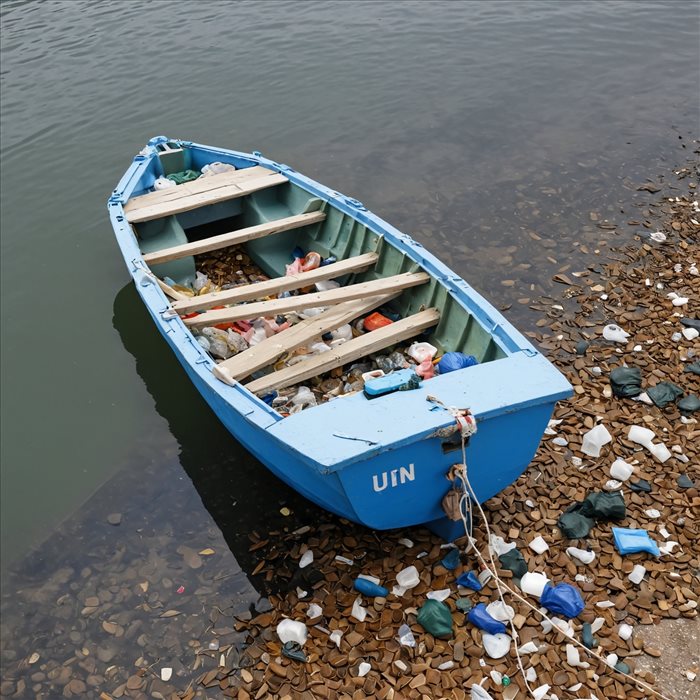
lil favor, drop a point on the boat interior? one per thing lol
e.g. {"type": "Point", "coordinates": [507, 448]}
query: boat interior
{"type": "Point", "coordinates": [262, 213]}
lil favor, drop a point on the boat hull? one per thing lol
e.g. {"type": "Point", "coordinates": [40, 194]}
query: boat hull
{"type": "Point", "coordinates": [384, 462]}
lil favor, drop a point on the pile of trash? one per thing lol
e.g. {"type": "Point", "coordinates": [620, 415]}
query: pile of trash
{"type": "Point", "coordinates": [164, 182]}
{"type": "Point", "coordinates": [600, 534]}
{"type": "Point", "coordinates": [409, 364]}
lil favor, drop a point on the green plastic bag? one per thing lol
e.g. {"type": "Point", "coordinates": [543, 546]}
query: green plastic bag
{"type": "Point", "coordinates": [664, 393]}
{"type": "Point", "coordinates": [689, 404]}
{"type": "Point", "coordinates": [514, 561]}
{"type": "Point", "coordinates": [626, 382]}
{"type": "Point", "coordinates": [436, 619]}
{"type": "Point", "coordinates": [579, 518]}
{"type": "Point", "coordinates": [183, 176]}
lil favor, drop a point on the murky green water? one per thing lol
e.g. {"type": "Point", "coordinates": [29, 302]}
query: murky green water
{"type": "Point", "coordinates": [469, 125]}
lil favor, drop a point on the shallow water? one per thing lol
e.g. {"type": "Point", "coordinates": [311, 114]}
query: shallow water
{"type": "Point", "coordinates": [501, 135]}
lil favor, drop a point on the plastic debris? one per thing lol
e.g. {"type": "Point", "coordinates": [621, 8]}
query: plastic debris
{"type": "Point", "coordinates": [594, 440]}
{"type": "Point", "coordinates": [408, 577]}
{"type": "Point", "coordinates": [464, 604]}
{"type": "Point", "coordinates": [563, 599]}
{"type": "Point", "coordinates": [539, 545]}
{"type": "Point", "coordinates": [292, 631]}
{"type": "Point", "coordinates": [689, 404]}
{"type": "Point", "coordinates": [480, 618]}
{"type": "Point", "coordinates": [441, 595]}
{"type": "Point", "coordinates": [514, 561]}
{"type": "Point", "coordinates": [573, 658]}
{"type": "Point", "coordinates": [436, 619]}
{"type": "Point", "coordinates": [406, 637]}
{"type": "Point", "coordinates": [657, 236]}
{"type": "Point", "coordinates": [587, 636]}
{"type": "Point", "coordinates": [624, 632]}
{"type": "Point", "coordinates": [313, 611]}
{"type": "Point", "coordinates": [293, 650]}
{"type": "Point", "coordinates": [626, 382]}
{"type": "Point", "coordinates": [363, 669]}
{"type": "Point", "coordinates": [637, 574]}
{"type": "Point", "coordinates": [620, 470]}
{"type": "Point", "coordinates": [664, 393]}
{"type": "Point", "coordinates": [451, 561]}
{"type": "Point", "coordinates": [533, 583]}
{"type": "Point", "coordinates": [358, 612]}
{"type": "Point", "coordinates": [162, 183]}
{"type": "Point", "coordinates": [615, 334]}
{"type": "Point", "coordinates": [528, 648]}
{"type": "Point", "coordinates": [376, 320]}
{"type": "Point", "coordinates": [166, 674]}
{"type": "Point", "coordinates": [496, 645]}
{"type": "Point", "coordinates": [499, 546]}
{"type": "Point", "coordinates": [629, 541]}
{"type": "Point", "coordinates": [306, 558]}
{"type": "Point", "coordinates": [335, 637]}
{"type": "Point", "coordinates": [641, 485]}
{"type": "Point", "coordinates": [369, 588]}
{"type": "Point", "coordinates": [478, 693]}
{"type": "Point", "coordinates": [579, 518]}
{"type": "Point", "coordinates": [685, 482]}
{"type": "Point", "coordinates": [690, 333]}
{"type": "Point", "coordinates": [469, 580]}
{"type": "Point", "coordinates": [500, 611]}
{"type": "Point", "coordinates": [539, 693]}
{"type": "Point", "coordinates": [583, 556]}
{"type": "Point", "coordinates": [452, 361]}
{"type": "Point", "coordinates": [421, 351]}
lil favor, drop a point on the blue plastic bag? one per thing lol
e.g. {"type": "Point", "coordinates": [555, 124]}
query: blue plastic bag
{"type": "Point", "coordinates": [451, 561]}
{"type": "Point", "coordinates": [469, 580]}
{"type": "Point", "coordinates": [630, 541]}
{"type": "Point", "coordinates": [481, 619]}
{"type": "Point", "coordinates": [362, 585]}
{"type": "Point", "coordinates": [452, 361]}
{"type": "Point", "coordinates": [563, 599]}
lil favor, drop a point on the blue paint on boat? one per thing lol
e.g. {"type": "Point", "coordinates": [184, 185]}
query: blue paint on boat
{"type": "Point", "coordinates": [380, 462]}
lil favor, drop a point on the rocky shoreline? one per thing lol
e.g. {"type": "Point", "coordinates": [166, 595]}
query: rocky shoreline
{"type": "Point", "coordinates": [167, 612]}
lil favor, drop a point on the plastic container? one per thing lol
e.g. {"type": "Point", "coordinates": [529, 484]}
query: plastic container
{"type": "Point", "coordinates": [620, 470]}
{"type": "Point", "coordinates": [594, 440]}
{"type": "Point", "coordinates": [533, 583]}
{"type": "Point", "coordinates": [421, 352]}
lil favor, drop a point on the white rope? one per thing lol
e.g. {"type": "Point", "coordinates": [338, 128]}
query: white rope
{"type": "Point", "coordinates": [468, 494]}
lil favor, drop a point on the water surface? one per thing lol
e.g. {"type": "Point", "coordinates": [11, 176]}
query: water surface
{"type": "Point", "coordinates": [471, 126]}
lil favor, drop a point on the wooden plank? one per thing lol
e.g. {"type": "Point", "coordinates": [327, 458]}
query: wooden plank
{"type": "Point", "coordinates": [197, 186]}
{"type": "Point", "coordinates": [172, 293]}
{"type": "Point", "coordinates": [274, 307]}
{"type": "Point", "coordinates": [258, 290]}
{"type": "Point", "coordinates": [347, 352]}
{"type": "Point", "coordinates": [224, 240]}
{"type": "Point", "coordinates": [204, 199]}
{"type": "Point", "coordinates": [270, 350]}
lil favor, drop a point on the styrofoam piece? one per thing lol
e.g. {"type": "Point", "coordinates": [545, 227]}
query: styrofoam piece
{"type": "Point", "coordinates": [624, 632]}
{"type": "Point", "coordinates": [594, 440]}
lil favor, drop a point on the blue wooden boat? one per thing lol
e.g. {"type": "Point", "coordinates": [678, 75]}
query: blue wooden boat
{"type": "Point", "coordinates": [383, 461]}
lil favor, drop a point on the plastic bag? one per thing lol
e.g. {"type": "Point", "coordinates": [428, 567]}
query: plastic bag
{"type": "Point", "coordinates": [514, 561]}
{"type": "Point", "coordinates": [480, 618]}
{"type": "Point", "coordinates": [469, 580]}
{"type": "Point", "coordinates": [630, 541]}
{"type": "Point", "coordinates": [664, 393]}
{"type": "Point", "coordinates": [162, 183]}
{"type": "Point", "coordinates": [436, 619]}
{"type": "Point", "coordinates": [563, 599]}
{"type": "Point", "coordinates": [216, 168]}
{"type": "Point", "coordinates": [452, 361]}
{"type": "Point", "coordinates": [451, 561]}
{"type": "Point", "coordinates": [200, 281]}
{"type": "Point", "coordinates": [626, 382]}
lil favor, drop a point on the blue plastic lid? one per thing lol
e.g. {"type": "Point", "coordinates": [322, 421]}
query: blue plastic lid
{"type": "Point", "coordinates": [389, 382]}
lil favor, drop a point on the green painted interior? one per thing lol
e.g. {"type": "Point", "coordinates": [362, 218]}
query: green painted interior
{"type": "Point", "coordinates": [339, 235]}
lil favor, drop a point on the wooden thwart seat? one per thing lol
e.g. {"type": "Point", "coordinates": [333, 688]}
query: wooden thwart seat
{"type": "Point", "coordinates": [274, 347]}
{"type": "Point", "coordinates": [200, 193]}
{"type": "Point", "coordinates": [258, 290]}
{"type": "Point", "coordinates": [231, 238]}
{"type": "Point", "coordinates": [274, 307]}
{"type": "Point", "coordinates": [347, 352]}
